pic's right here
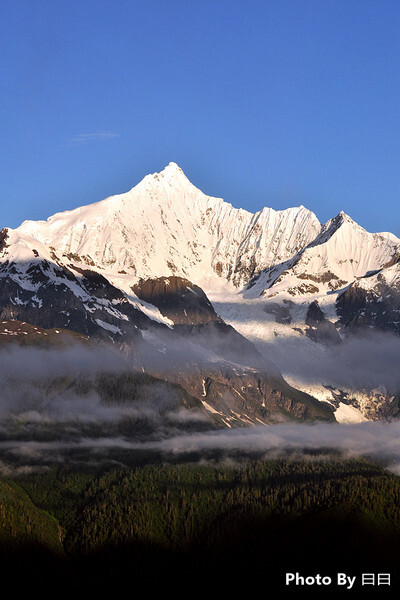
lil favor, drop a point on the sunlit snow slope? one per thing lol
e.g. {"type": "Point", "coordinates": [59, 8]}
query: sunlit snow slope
{"type": "Point", "coordinates": [166, 226]}
{"type": "Point", "coordinates": [275, 276]}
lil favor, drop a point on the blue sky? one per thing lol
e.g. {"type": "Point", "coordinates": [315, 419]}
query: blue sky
{"type": "Point", "coordinates": [263, 103]}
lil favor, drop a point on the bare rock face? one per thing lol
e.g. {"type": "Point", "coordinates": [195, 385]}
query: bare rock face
{"type": "Point", "coordinates": [3, 239]}
{"type": "Point", "coordinates": [319, 328]}
{"type": "Point", "coordinates": [177, 299]}
{"type": "Point", "coordinates": [28, 335]}
{"type": "Point", "coordinates": [372, 301]}
{"type": "Point", "coordinates": [51, 296]}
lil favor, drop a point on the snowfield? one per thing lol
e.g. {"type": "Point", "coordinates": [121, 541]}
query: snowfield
{"type": "Point", "coordinates": [261, 271]}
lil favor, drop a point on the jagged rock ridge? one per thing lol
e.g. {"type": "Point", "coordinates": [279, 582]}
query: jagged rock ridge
{"type": "Point", "coordinates": [131, 267]}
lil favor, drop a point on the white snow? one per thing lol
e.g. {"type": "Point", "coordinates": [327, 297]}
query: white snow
{"type": "Point", "coordinates": [165, 226]}
{"type": "Point", "coordinates": [348, 414]}
{"type": "Point", "coordinates": [108, 326]}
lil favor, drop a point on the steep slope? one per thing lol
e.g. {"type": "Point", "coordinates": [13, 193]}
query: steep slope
{"type": "Point", "coordinates": [341, 253]}
{"type": "Point", "coordinates": [25, 334]}
{"type": "Point", "coordinates": [177, 299]}
{"type": "Point", "coordinates": [166, 226]}
{"type": "Point", "coordinates": [193, 359]}
{"type": "Point", "coordinates": [372, 301]}
{"type": "Point", "coordinates": [357, 378]}
{"type": "Point", "coordinates": [346, 279]}
{"type": "Point", "coordinates": [131, 270]}
{"type": "Point", "coordinates": [38, 288]}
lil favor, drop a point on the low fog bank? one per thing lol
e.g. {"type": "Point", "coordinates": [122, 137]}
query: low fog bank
{"type": "Point", "coordinates": [28, 391]}
{"type": "Point", "coordinates": [30, 363]}
{"type": "Point", "coordinates": [374, 440]}
{"type": "Point", "coordinates": [86, 431]}
{"type": "Point", "coordinates": [364, 361]}
{"type": "Point", "coordinates": [186, 347]}
{"type": "Point", "coordinates": [44, 385]}
{"type": "Point", "coordinates": [41, 388]}
{"type": "Point", "coordinates": [361, 439]}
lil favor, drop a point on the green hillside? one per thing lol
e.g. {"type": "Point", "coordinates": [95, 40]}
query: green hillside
{"type": "Point", "coordinates": [169, 526]}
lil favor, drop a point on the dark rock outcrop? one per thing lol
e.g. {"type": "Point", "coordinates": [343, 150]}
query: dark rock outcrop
{"type": "Point", "coordinates": [3, 239]}
{"type": "Point", "coordinates": [377, 307]}
{"type": "Point", "coordinates": [319, 328]}
{"type": "Point", "coordinates": [177, 299]}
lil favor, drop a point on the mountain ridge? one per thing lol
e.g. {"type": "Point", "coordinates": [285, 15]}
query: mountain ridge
{"type": "Point", "coordinates": [263, 272]}
{"type": "Point", "coordinates": [175, 229]}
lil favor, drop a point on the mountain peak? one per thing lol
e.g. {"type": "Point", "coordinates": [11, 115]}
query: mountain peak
{"type": "Point", "coordinates": [171, 171]}
{"type": "Point", "coordinates": [332, 226]}
{"type": "Point", "coordinates": [343, 217]}
{"type": "Point", "coordinates": [339, 220]}
{"type": "Point", "coordinates": [172, 166]}
{"type": "Point", "coordinates": [171, 176]}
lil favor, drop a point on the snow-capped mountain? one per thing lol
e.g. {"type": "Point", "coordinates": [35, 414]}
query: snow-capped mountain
{"type": "Point", "coordinates": [183, 350]}
{"type": "Point", "coordinates": [164, 259]}
{"type": "Point", "coordinates": [166, 226]}
{"type": "Point", "coordinates": [340, 254]}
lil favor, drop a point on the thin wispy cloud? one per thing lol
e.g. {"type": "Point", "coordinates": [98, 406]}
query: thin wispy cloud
{"type": "Point", "coordinates": [84, 138]}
